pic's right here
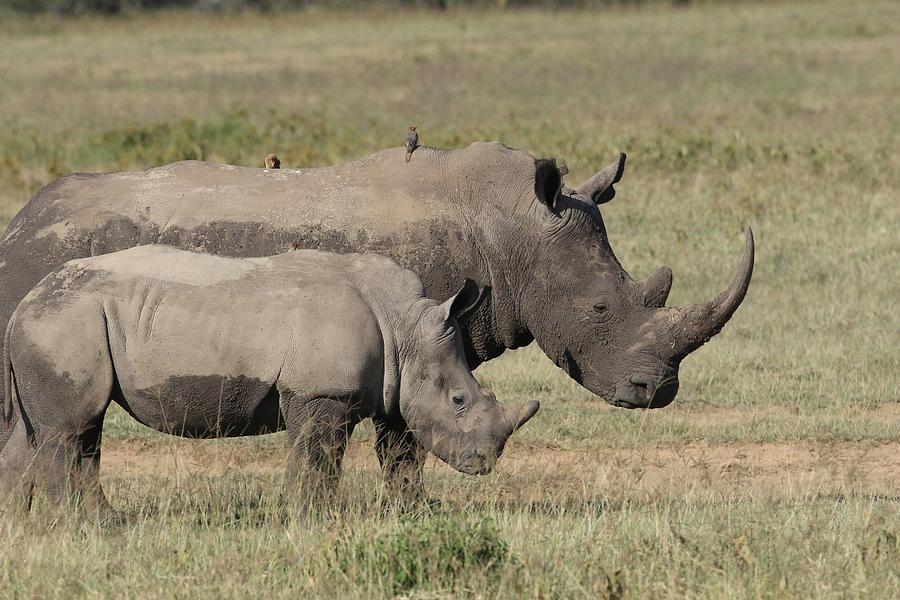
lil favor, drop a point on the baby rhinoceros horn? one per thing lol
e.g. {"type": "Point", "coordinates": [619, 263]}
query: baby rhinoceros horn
{"type": "Point", "coordinates": [518, 417]}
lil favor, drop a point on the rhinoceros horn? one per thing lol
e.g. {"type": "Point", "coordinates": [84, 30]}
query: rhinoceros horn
{"type": "Point", "coordinates": [694, 325]}
{"type": "Point", "coordinates": [517, 418]}
{"type": "Point", "coordinates": [655, 289]}
{"type": "Point", "coordinates": [599, 188]}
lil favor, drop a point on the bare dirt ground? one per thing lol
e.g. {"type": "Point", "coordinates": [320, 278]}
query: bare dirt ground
{"type": "Point", "coordinates": [534, 471]}
{"type": "Point", "coordinates": [771, 470]}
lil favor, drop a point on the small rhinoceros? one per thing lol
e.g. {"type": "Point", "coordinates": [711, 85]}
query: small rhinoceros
{"type": "Point", "coordinates": [206, 346]}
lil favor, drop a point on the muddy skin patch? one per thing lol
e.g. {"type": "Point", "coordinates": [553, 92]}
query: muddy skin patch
{"type": "Point", "coordinates": [254, 239]}
{"type": "Point", "coordinates": [54, 291]}
{"type": "Point", "coordinates": [207, 406]}
{"type": "Point", "coordinates": [570, 366]}
{"type": "Point", "coordinates": [40, 387]}
{"type": "Point", "coordinates": [27, 261]}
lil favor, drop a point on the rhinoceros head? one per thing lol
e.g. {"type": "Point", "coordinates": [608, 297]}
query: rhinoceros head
{"type": "Point", "coordinates": [622, 343]}
{"type": "Point", "coordinates": [450, 414]}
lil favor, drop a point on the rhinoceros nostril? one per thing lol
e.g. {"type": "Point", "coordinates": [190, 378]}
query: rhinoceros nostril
{"type": "Point", "coordinates": [665, 393]}
{"type": "Point", "coordinates": [640, 391]}
{"type": "Point", "coordinates": [644, 388]}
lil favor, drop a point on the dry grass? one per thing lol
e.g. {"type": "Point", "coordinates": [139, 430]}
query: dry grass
{"type": "Point", "coordinates": [679, 524]}
{"type": "Point", "coordinates": [771, 476]}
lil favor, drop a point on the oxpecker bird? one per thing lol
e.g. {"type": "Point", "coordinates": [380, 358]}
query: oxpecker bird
{"type": "Point", "coordinates": [272, 162]}
{"type": "Point", "coordinates": [412, 141]}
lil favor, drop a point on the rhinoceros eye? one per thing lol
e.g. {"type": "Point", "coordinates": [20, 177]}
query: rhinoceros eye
{"type": "Point", "coordinates": [600, 308]}
{"type": "Point", "coordinates": [460, 404]}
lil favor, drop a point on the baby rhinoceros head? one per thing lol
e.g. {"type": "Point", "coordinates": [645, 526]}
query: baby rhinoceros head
{"type": "Point", "coordinates": [450, 414]}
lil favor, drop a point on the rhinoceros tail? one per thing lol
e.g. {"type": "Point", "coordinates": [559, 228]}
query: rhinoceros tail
{"type": "Point", "coordinates": [9, 382]}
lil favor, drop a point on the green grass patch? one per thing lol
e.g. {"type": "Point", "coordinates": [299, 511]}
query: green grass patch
{"type": "Point", "coordinates": [434, 552]}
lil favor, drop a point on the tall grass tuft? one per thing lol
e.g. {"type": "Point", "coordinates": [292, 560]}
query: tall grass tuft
{"type": "Point", "coordinates": [434, 551]}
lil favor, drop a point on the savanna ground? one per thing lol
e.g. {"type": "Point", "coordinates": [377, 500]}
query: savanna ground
{"type": "Point", "coordinates": [776, 473]}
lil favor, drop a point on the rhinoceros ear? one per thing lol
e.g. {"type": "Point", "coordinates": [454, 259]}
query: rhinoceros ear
{"type": "Point", "coordinates": [547, 183]}
{"type": "Point", "coordinates": [599, 188]}
{"type": "Point", "coordinates": [467, 299]}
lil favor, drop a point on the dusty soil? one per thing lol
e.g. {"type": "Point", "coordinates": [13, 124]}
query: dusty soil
{"type": "Point", "coordinates": [537, 473]}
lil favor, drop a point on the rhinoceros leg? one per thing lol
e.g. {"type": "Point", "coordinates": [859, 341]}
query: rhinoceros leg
{"type": "Point", "coordinates": [318, 430]}
{"type": "Point", "coordinates": [401, 457]}
{"type": "Point", "coordinates": [88, 471]}
{"type": "Point", "coordinates": [68, 469]}
{"type": "Point", "coordinates": [63, 395]}
{"type": "Point", "coordinates": [6, 429]}
{"type": "Point", "coordinates": [68, 466]}
{"type": "Point", "coordinates": [16, 476]}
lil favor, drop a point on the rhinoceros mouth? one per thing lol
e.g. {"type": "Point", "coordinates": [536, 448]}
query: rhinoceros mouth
{"type": "Point", "coordinates": [469, 463]}
{"type": "Point", "coordinates": [645, 392]}
{"type": "Point", "coordinates": [475, 467]}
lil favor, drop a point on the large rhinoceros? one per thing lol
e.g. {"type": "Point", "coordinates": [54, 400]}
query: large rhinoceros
{"type": "Point", "coordinates": [487, 212]}
{"type": "Point", "coordinates": [209, 346]}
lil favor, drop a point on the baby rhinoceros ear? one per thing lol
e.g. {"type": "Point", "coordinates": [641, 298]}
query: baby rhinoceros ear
{"type": "Point", "coordinates": [467, 299]}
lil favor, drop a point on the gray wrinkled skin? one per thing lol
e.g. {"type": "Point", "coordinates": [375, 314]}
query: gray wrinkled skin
{"type": "Point", "coordinates": [207, 346]}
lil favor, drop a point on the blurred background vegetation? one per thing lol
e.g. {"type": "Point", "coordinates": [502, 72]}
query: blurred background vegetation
{"type": "Point", "coordinates": [112, 7]}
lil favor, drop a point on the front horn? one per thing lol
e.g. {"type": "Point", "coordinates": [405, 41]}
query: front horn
{"type": "Point", "coordinates": [699, 322]}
